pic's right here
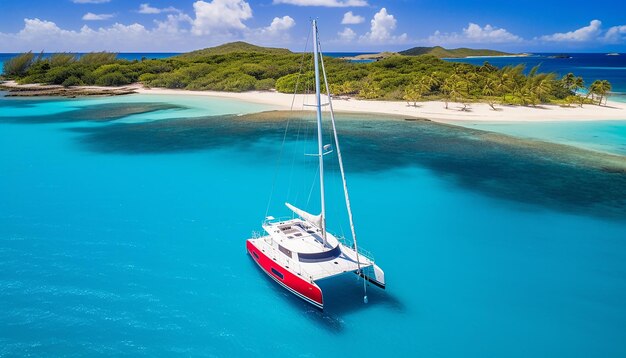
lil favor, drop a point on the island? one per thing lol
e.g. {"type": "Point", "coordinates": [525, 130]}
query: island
{"type": "Point", "coordinates": [242, 67]}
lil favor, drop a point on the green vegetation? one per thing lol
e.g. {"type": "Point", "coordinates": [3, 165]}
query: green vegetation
{"type": "Point", "coordinates": [240, 67]}
{"type": "Point", "coordinates": [231, 47]}
{"type": "Point", "coordinates": [18, 65]}
{"type": "Point", "coordinates": [441, 52]}
{"type": "Point", "coordinates": [600, 89]}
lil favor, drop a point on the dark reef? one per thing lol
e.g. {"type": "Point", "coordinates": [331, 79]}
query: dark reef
{"type": "Point", "coordinates": [545, 174]}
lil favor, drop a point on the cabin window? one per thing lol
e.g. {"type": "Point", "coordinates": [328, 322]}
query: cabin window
{"type": "Point", "coordinates": [255, 255]}
{"type": "Point", "coordinates": [277, 274]}
{"type": "Point", "coordinates": [285, 251]}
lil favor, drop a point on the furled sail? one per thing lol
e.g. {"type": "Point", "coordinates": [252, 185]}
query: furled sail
{"type": "Point", "coordinates": [313, 219]}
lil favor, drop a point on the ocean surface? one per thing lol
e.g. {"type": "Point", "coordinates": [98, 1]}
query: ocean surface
{"type": "Point", "coordinates": [123, 224]}
{"type": "Point", "coordinates": [603, 136]}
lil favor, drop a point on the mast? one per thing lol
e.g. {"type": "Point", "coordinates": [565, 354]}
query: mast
{"type": "Point", "coordinates": [340, 160]}
{"type": "Point", "coordinates": [320, 146]}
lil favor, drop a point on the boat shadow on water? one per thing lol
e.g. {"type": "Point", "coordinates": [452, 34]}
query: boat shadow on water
{"type": "Point", "coordinates": [343, 295]}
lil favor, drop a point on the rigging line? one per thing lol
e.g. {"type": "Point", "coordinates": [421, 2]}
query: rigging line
{"type": "Point", "coordinates": [308, 85]}
{"type": "Point", "coordinates": [282, 146]}
{"type": "Point", "coordinates": [312, 187]}
{"type": "Point", "coordinates": [308, 163]}
{"type": "Point", "coordinates": [343, 176]}
{"type": "Point", "coordinates": [293, 159]}
{"type": "Point", "coordinates": [302, 122]}
{"type": "Point", "coordinates": [306, 44]}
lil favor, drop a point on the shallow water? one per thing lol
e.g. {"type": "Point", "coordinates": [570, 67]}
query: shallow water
{"type": "Point", "coordinates": [605, 136]}
{"type": "Point", "coordinates": [124, 235]}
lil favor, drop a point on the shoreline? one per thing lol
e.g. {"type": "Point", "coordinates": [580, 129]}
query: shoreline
{"type": "Point", "coordinates": [432, 110]}
{"type": "Point", "coordinates": [39, 90]}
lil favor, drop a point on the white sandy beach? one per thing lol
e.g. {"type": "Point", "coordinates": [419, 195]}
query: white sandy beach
{"type": "Point", "coordinates": [433, 110]}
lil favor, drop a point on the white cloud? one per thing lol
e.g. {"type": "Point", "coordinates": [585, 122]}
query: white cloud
{"type": "Point", "coordinates": [276, 33]}
{"type": "Point", "coordinates": [90, 1]}
{"type": "Point", "coordinates": [346, 35]}
{"type": "Point", "coordinates": [584, 34]}
{"type": "Point", "coordinates": [90, 16]}
{"type": "Point", "coordinates": [178, 32]}
{"type": "Point", "coordinates": [474, 34]}
{"type": "Point", "coordinates": [382, 27]}
{"type": "Point", "coordinates": [351, 19]}
{"type": "Point", "coordinates": [279, 25]}
{"type": "Point", "coordinates": [46, 35]}
{"type": "Point", "coordinates": [172, 24]}
{"type": "Point", "coordinates": [220, 16]}
{"type": "Point", "coordinates": [147, 9]}
{"type": "Point", "coordinates": [615, 34]}
{"type": "Point", "coordinates": [326, 3]}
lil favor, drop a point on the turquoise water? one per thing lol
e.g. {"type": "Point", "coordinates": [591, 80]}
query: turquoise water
{"type": "Point", "coordinates": [606, 136]}
{"type": "Point", "coordinates": [122, 232]}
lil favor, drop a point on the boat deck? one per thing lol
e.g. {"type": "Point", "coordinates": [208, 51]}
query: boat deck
{"type": "Point", "coordinates": [299, 236]}
{"type": "Point", "coordinates": [317, 270]}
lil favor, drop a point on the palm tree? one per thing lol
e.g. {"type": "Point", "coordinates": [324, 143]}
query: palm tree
{"type": "Point", "coordinates": [412, 94]}
{"type": "Point", "coordinates": [432, 80]}
{"type": "Point", "coordinates": [605, 88]}
{"type": "Point", "coordinates": [470, 80]}
{"type": "Point", "coordinates": [503, 84]}
{"type": "Point", "coordinates": [568, 80]}
{"type": "Point", "coordinates": [599, 88]}
{"type": "Point", "coordinates": [409, 94]}
{"type": "Point", "coordinates": [592, 90]}
{"type": "Point", "coordinates": [453, 89]}
{"type": "Point", "coordinates": [527, 92]}
{"type": "Point", "coordinates": [577, 85]}
{"type": "Point", "coordinates": [489, 91]}
{"type": "Point", "coordinates": [543, 86]}
{"type": "Point", "coordinates": [512, 80]}
{"type": "Point", "coordinates": [416, 90]}
{"type": "Point", "coordinates": [447, 88]}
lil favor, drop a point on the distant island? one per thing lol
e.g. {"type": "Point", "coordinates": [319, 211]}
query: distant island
{"type": "Point", "coordinates": [441, 52]}
{"type": "Point", "coordinates": [414, 75]}
{"type": "Point", "coordinates": [436, 51]}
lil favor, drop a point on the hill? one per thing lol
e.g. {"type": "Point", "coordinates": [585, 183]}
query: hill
{"type": "Point", "coordinates": [233, 47]}
{"type": "Point", "coordinates": [441, 52]}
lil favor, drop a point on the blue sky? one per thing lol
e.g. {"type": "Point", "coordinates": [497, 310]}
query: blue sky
{"type": "Point", "coordinates": [345, 25]}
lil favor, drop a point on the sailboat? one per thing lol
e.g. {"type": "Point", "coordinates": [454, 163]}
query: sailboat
{"type": "Point", "coordinates": [297, 253]}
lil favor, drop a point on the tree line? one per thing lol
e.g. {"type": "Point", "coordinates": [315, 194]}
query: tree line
{"type": "Point", "coordinates": [409, 78]}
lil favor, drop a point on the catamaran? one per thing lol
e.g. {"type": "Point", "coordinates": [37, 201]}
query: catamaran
{"type": "Point", "coordinates": [297, 253]}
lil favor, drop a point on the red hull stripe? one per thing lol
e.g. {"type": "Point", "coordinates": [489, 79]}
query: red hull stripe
{"type": "Point", "coordinates": [293, 283]}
